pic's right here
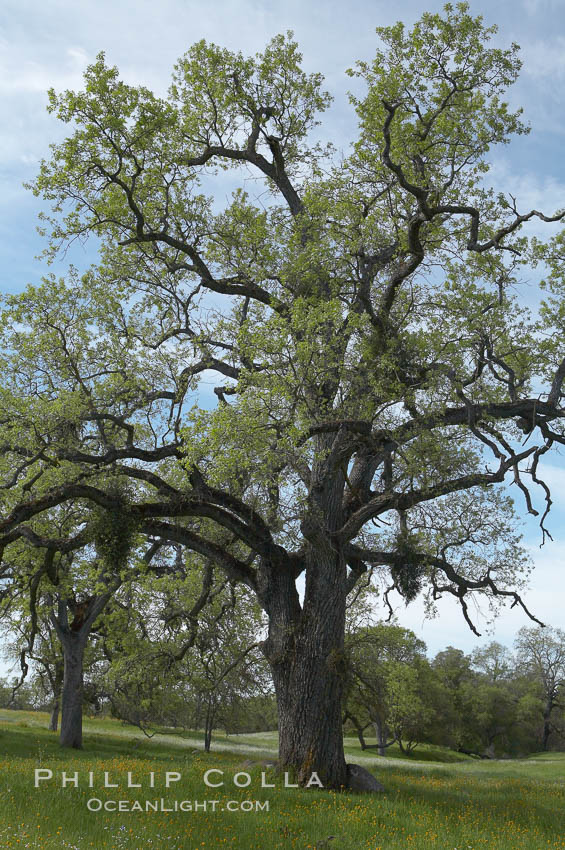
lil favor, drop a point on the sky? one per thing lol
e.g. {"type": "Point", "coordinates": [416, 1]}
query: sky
{"type": "Point", "coordinates": [49, 43]}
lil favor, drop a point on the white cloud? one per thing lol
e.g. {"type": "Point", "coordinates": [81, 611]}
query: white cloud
{"type": "Point", "coordinates": [23, 75]}
{"type": "Point", "coordinates": [46, 45]}
{"type": "Point", "coordinates": [554, 477]}
{"type": "Point", "coordinates": [534, 7]}
{"type": "Point", "coordinates": [545, 57]}
{"type": "Point", "coordinates": [545, 193]}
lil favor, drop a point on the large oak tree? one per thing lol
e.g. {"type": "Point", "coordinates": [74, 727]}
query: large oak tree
{"type": "Point", "coordinates": [375, 375]}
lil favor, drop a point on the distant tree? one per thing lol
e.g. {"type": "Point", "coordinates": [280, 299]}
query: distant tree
{"type": "Point", "coordinates": [541, 653]}
{"type": "Point", "coordinates": [453, 669]}
{"type": "Point", "coordinates": [415, 694]}
{"type": "Point", "coordinates": [491, 716]}
{"type": "Point", "coordinates": [255, 713]}
{"type": "Point", "coordinates": [390, 686]}
{"type": "Point", "coordinates": [183, 654]}
{"type": "Point", "coordinates": [480, 714]}
{"type": "Point", "coordinates": [61, 586]}
{"type": "Point", "coordinates": [494, 660]}
{"type": "Point", "coordinates": [46, 654]}
{"type": "Point", "coordinates": [24, 699]}
{"type": "Point", "coordinates": [226, 665]}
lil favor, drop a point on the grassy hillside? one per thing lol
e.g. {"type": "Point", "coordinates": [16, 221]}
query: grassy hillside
{"type": "Point", "coordinates": [454, 805]}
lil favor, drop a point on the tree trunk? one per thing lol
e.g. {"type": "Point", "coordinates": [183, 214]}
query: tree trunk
{"type": "Point", "coordinates": [71, 720]}
{"type": "Point", "coordinates": [381, 736]}
{"type": "Point", "coordinates": [305, 649]}
{"type": "Point", "coordinates": [546, 728]}
{"type": "Point", "coordinates": [57, 685]}
{"type": "Point", "coordinates": [209, 723]}
{"type": "Point", "coordinates": [74, 637]}
{"type": "Point", "coordinates": [361, 737]}
{"type": "Point", "coordinates": [54, 721]}
{"type": "Point", "coordinates": [358, 728]}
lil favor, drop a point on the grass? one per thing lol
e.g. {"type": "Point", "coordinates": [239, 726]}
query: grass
{"type": "Point", "coordinates": [449, 805]}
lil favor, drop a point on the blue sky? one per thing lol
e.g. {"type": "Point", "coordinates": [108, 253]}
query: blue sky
{"type": "Point", "coordinates": [49, 43]}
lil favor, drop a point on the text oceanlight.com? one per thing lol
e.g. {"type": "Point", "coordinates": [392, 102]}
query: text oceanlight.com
{"type": "Point", "coordinates": [94, 804]}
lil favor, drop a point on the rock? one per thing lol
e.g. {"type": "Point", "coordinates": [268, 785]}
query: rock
{"type": "Point", "coordinates": [359, 779]}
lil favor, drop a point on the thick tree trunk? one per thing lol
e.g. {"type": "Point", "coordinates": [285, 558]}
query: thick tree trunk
{"type": "Point", "coordinates": [71, 720]}
{"type": "Point", "coordinates": [305, 649]}
{"type": "Point", "coordinates": [309, 695]}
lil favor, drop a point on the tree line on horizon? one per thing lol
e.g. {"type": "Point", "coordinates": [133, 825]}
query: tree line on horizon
{"type": "Point", "coordinates": [488, 703]}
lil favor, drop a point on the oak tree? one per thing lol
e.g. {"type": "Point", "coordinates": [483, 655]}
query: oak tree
{"type": "Point", "coordinates": [374, 372]}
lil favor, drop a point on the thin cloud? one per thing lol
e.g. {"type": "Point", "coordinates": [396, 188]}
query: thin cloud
{"type": "Point", "coordinates": [544, 58]}
{"type": "Point", "coordinates": [19, 75]}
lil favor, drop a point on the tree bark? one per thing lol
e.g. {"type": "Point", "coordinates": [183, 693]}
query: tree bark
{"type": "Point", "coordinates": [381, 736]}
{"type": "Point", "coordinates": [208, 727]}
{"type": "Point", "coordinates": [305, 650]}
{"type": "Point", "coordinates": [74, 637]}
{"type": "Point", "coordinates": [546, 726]}
{"type": "Point", "coordinates": [358, 728]}
{"type": "Point", "coordinates": [57, 685]}
{"type": "Point", "coordinates": [71, 719]}
{"type": "Point", "coordinates": [54, 721]}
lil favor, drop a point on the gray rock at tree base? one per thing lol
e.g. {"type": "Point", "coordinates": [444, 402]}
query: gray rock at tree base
{"type": "Point", "coordinates": [359, 779]}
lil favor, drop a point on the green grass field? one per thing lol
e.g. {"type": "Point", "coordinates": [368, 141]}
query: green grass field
{"type": "Point", "coordinates": [433, 800]}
